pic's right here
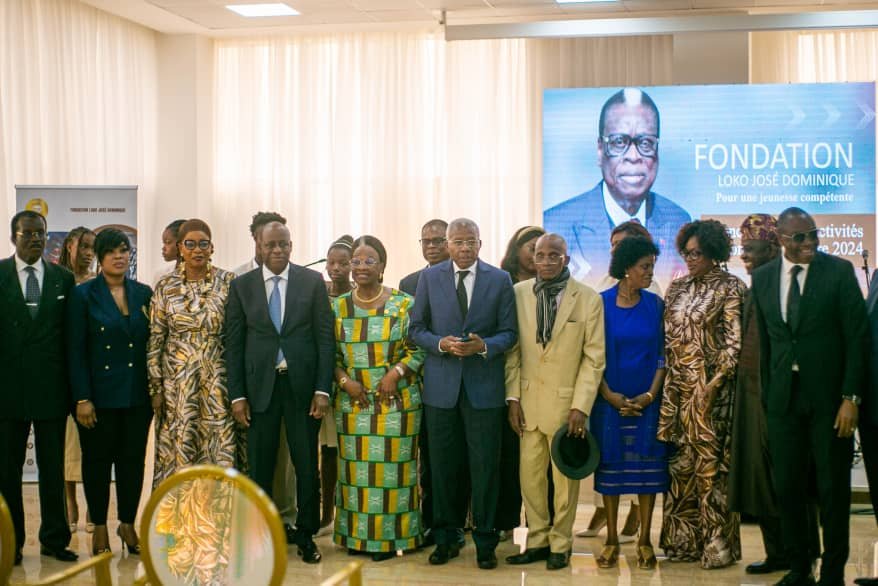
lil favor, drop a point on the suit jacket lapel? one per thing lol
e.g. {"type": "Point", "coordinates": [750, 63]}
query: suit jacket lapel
{"type": "Point", "coordinates": [568, 302]}
{"type": "Point", "coordinates": [448, 286]}
{"type": "Point", "coordinates": [812, 288]}
{"type": "Point", "coordinates": [9, 281]}
{"type": "Point", "coordinates": [51, 287]}
{"type": "Point", "coordinates": [288, 305]}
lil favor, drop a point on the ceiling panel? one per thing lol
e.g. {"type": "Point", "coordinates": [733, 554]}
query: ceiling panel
{"type": "Point", "coordinates": [213, 16]}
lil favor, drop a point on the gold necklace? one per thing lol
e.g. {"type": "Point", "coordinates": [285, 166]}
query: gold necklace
{"type": "Point", "coordinates": [368, 301]}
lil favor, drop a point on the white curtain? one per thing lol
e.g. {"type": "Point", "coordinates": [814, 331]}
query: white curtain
{"type": "Point", "coordinates": [77, 99]}
{"type": "Point", "coordinates": [378, 133]}
{"type": "Point", "coordinates": [812, 57]}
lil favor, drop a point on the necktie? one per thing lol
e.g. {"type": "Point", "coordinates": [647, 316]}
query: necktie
{"type": "Point", "coordinates": [461, 292]}
{"type": "Point", "coordinates": [274, 313]}
{"type": "Point", "coordinates": [794, 298]}
{"type": "Point", "coordinates": [32, 291]}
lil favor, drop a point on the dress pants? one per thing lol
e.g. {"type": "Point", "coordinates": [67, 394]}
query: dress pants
{"type": "Point", "coordinates": [49, 443]}
{"type": "Point", "coordinates": [542, 529]}
{"type": "Point", "coordinates": [772, 536]}
{"type": "Point", "coordinates": [795, 439]}
{"type": "Point", "coordinates": [118, 440]}
{"type": "Point", "coordinates": [463, 429]}
{"type": "Point", "coordinates": [509, 503]}
{"type": "Point", "coordinates": [283, 490]}
{"type": "Point", "coordinates": [302, 430]}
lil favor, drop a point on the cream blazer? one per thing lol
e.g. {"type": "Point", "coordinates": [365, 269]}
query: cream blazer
{"type": "Point", "coordinates": [566, 373]}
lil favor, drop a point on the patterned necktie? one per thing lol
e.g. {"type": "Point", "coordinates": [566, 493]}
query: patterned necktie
{"type": "Point", "coordinates": [794, 298]}
{"type": "Point", "coordinates": [461, 292]}
{"type": "Point", "coordinates": [32, 291]}
{"type": "Point", "coordinates": [274, 312]}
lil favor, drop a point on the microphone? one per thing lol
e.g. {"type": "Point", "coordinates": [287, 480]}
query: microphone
{"type": "Point", "coordinates": [865, 267]}
{"type": "Point", "coordinates": [316, 262]}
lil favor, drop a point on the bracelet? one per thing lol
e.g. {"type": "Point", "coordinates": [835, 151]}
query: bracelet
{"type": "Point", "coordinates": [400, 370]}
{"type": "Point", "coordinates": [651, 396]}
{"type": "Point", "coordinates": [342, 381]}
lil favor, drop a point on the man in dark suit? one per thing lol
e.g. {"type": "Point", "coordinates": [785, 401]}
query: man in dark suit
{"type": "Point", "coordinates": [35, 389]}
{"type": "Point", "coordinates": [868, 421]}
{"type": "Point", "coordinates": [627, 151]}
{"type": "Point", "coordinates": [464, 318]}
{"type": "Point", "coordinates": [813, 344]}
{"type": "Point", "coordinates": [273, 315]}
{"type": "Point", "coordinates": [434, 247]}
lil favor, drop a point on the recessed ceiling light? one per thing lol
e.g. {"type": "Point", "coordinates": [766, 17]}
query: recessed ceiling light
{"type": "Point", "coordinates": [254, 10]}
{"type": "Point", "coordinates": [583, 1]}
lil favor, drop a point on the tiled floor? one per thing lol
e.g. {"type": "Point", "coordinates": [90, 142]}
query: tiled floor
{"type": "Point", "coordinates": [414, 569]}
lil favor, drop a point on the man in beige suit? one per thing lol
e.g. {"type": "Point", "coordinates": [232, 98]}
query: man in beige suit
{"type": "Point", "coordinates": [552, 378]}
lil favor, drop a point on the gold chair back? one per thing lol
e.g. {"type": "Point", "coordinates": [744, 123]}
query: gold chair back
{"type": "Point", "coordinates": [212, 525]}
{"type": "Point", "coordinates": [7, 542]}
{"type": "Point", "coordinates": [352, 574]}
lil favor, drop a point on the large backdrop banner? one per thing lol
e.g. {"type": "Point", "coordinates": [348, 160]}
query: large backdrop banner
{"type": "Point", "coordinates": [66, 207]}
{"type": "Point", "coordinates": [665, 155]}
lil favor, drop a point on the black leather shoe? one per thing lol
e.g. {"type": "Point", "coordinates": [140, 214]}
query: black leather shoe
{"type": "Point", "coordinates": [487, 560]}
{"type": "Point", "coordinates": [309, 552]}
{"type": "Point", "coordinates": [866, 581]}
{"type": "Point", "coordinates": [18, 557]}
{"type": "Point", "coordinates": [381, 556]}
{"type": "Point", "coordinates": [558, 561]}
{"type": "Point", "coordinates": [62, 554]}
{"type": "Point", "coordinates": [443, 553]}
{"type": "Point", "coordinates": [796, 579]}
{"type": "Point", "coordinates": [767, 566]}
{"type": "Point", "coordinates": [291, 533]}
{"type": "Point", "coordinates": [537, 554]}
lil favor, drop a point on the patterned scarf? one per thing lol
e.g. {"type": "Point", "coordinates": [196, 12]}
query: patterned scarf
{"type": "Point", "coordinates": [547, 304]}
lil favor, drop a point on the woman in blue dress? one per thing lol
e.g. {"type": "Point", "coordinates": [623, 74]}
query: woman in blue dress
{"type": "Point", "coordinates": [625, 415]}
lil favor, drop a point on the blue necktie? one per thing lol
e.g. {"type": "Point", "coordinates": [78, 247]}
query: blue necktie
{"type": "Point", "coordinates": [274, 312]}
{"type": "Point", "coordinates": [32, 292]}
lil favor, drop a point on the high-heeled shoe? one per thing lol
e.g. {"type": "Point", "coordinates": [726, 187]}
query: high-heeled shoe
{"type": "Point", "coordinates": [595, 527]}
{"type": "Point", "coordinates": [646, 557]}
{"type": "Point", "coordinates": [609, 556]}
{"type": "Point", "coordinates": [99, 550]}
{"type": "Point", "coordinates": [132, 549]}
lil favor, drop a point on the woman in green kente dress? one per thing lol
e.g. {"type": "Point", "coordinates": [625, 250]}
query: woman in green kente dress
{"type": "Point", "coordinates": [377, 412]}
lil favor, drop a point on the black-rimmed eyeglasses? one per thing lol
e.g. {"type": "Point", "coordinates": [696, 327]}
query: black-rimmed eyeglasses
{"type": "Point", "coordinates": [616, 145]}
{"type": "Point", "coordinates": [800, 237]}
{"type": "Point", "coordinates": [192, 244]}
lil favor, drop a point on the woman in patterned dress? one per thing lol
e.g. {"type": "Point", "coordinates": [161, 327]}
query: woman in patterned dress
{"type": "Point", "coordinates": [378, 414]}
{"type": "Point", "coordinates": [187, 373]}
{"type": "Point", "coordinates": [702, 343]}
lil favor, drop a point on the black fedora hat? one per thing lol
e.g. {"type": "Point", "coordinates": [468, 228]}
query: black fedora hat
{"type": "Point", "coordinates": [575, 457]}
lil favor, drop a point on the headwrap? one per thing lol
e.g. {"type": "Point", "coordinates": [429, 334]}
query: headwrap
{"type": "Point", "coordinates": [759, 227]}
{"type": "Point", "coordinates": [547, 304]}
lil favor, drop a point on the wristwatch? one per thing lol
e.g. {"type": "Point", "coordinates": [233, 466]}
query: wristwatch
{"type": "Point", "coordinates": [855, 399]}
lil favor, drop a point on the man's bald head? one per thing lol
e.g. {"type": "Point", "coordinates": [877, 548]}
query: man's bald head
{"type": "Point", "coordinates": [550, 256]}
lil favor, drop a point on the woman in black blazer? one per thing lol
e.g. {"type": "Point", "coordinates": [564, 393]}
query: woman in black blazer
{"type": "Point", "coordinates": [107, 329]}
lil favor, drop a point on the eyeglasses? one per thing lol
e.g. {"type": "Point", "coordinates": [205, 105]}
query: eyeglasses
{"type": "Point", "coordinates": [432, 241]}
{"type": "Point", "coordinates": [369, 262]}
{"type": "Point", "coordinates": [467, 243]}
{"type": "Point", "coordinates": [800, 237]}
{"type": "Point", "coordinates": [192, 244]}
{"type": "Point", "coordinates": [548, 259]}
{"type": "Point", "coordinates": [694, 254]}
{"type": "Point", "coordinates": [616, 145]}
{"type": "Point", "coordinates": [30, 235]}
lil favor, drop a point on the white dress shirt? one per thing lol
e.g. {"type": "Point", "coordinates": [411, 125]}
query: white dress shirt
{"type": "Point", "coordinates": [786, 279]}
{"type": "Point", "coordinates": [39, 272]}
{"type": "Point", "coordinates": [268, 277]}
{"type": "Point", "coordinates": [469, 281]}
{"type": "Point", "coordinates": [619, 215]}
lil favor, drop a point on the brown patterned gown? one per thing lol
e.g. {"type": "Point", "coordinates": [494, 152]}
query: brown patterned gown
{"type": "Point", "coordinates": [703, 340]}
{"type": "Point", "coordinates": [185, 364]}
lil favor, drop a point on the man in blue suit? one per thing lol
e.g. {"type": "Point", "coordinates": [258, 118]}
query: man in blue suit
{"type": "Point", "coordinates": [627, 151]}
{"type": "Point", "coordinates": [464, 317]}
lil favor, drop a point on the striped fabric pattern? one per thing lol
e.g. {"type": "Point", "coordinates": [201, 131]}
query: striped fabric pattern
{"type": "Point", "coordinates": [377, 503]}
